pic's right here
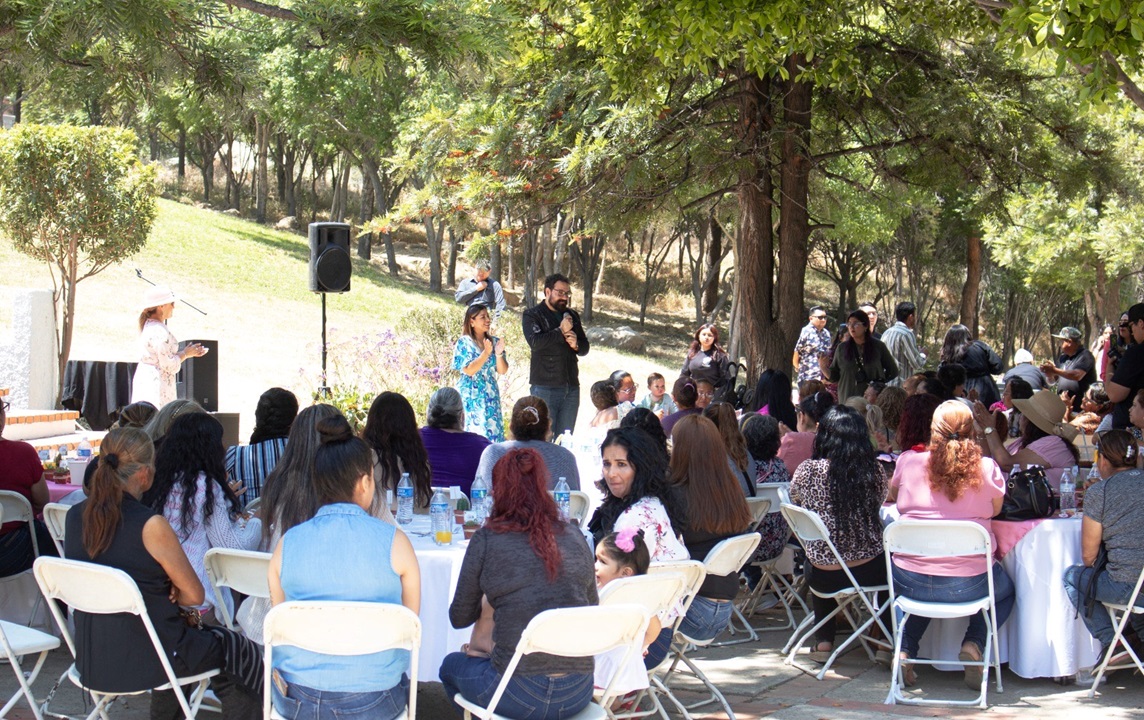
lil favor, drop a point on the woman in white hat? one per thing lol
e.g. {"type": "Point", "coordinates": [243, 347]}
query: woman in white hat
{"type": "Point", "coordinates": [160, 356]}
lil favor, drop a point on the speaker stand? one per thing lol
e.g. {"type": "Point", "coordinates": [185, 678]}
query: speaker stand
{"type": "Point", "coordinates": [324, 390]}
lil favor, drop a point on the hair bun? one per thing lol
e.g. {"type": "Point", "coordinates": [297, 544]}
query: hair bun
{"type": "Point", "coordinates": [334, 429]}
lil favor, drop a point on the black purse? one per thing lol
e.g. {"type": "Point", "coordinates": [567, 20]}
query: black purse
{"type": "Point", "coordinates": [1028, 496]}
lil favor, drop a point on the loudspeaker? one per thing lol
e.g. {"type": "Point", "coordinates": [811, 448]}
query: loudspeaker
{"type": "Point", "coordinates": [198, 377]}
{"type": "Point", "coordinates": [330, 263]}
{"type": "Point", "coordinates": [229, 422]}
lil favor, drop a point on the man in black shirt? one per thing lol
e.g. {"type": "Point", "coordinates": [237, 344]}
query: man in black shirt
{"type": "Point", "coordinates": [557, 339]}
{"type": "Point", "coordinates": [1129, 375]}
{"type": "Point", "coordinates": [1075, 369]}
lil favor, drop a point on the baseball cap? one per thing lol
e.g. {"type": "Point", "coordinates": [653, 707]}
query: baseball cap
{"type": "Point", "coordinates": [1069, 333]}
{"type": "Point", "coordinates": [1022, 356]}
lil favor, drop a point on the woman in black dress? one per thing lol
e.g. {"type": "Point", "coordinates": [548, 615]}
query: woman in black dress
{"type": "Point", "coordinates": [707, 360]}
{"type": "Point", "coordinates": [981, 363]}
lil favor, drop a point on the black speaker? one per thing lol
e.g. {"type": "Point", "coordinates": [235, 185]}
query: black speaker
{"type": "Point", "coordinates": [198, 377]}
{"type": "Point", "coordinates": [330, 263]}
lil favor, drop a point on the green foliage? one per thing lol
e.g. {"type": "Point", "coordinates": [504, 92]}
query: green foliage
{"type": "Point", "coordinates": [71, 194]}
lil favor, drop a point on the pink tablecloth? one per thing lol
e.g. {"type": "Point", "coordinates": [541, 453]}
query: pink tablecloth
{"type": "Point", "coordinates": [1009, 532]}
{"type": "Point", "coordinates": [58, 491]}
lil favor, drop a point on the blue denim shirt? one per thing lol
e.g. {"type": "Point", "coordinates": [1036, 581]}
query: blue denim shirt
{"type": "Point", "coordinates": [341, 554]}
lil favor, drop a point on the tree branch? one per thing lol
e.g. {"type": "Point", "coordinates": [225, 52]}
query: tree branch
{"type": "Point", "coordinates": [262, 8]}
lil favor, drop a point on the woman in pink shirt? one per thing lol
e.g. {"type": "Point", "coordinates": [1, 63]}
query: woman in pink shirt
{"type": "Point", "coordinates": [795, 447]}
{"type": "Point", "coordinates": [950, 480]}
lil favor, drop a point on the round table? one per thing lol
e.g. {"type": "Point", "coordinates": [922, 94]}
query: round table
{"type": "Point", "coordinates": [440, 567]}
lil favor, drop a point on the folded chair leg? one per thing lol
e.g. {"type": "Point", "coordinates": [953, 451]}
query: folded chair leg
{"type": "Point", "coordinates": [25, 689]}
{"type": "Point", "coordinates": [716, 695]}
{"type": "Point", "coordinates": [671, 696]}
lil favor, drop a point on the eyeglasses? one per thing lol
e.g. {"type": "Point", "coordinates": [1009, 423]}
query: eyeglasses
{"type": "Point", "coordinates": [817, 317]}
{"type": "Point", "coordinates": [707, 394]}
{"type": "Point", "coordinates": [562, 293]}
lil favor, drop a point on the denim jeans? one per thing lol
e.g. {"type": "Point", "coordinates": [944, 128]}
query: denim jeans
{"type": "Point", "coordinates": [706, 618]}
{"type": "Point", "coordinates": [657, 651]}
{"type": "Point", "coordinates": [940, 588]}
{"type": "Point", "coordinates": [563, 403]}
{"type": "Point", "coordinates": [1107, 590]}
{"type": "Point", "coordinates": [527, 697]}
{"type": "Point", "coordinates": [16, 548]}
{"type": "Point", "coordinates": [303, 703]}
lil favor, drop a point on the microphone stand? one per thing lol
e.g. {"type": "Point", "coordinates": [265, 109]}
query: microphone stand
{"type": "Point", "coordinates": [139, 274]}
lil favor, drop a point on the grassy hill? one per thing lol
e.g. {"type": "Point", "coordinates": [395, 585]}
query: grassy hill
{"type": "Point", "coordinates": [252, 282]}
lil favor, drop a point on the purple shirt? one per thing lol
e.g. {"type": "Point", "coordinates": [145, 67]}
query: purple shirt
{"type": "Point", "coordinates": [669, 421]}
{"type": "Point", "coordinates": [453, 456]}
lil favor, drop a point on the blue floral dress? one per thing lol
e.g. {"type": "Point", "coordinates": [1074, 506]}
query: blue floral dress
{"type": "Point", "coordinates": [480, 393]}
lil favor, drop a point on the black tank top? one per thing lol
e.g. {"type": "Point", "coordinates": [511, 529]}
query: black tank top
{"type": "Point", "coordinates": [113, 652]}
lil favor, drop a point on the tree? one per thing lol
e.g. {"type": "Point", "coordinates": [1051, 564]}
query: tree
{"type": "Point", "coordinates": [77, 199]}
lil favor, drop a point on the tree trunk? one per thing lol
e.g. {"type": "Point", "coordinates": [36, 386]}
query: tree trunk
{"type": "Point", "coordinates": [153, 142]}
{"type": "Point", "coordinates": [546, 248]}
{"type": "Point", "coordinates": [68, 281]}
{"type": "Point", "coordinates": [714, 255]}
{"type": "Point", "coordinates": [600, 272]}
{"type": "Point", "coordinates": [433, 240]}
{"type": "Point", "coordinates": [381, 206]}
{"type": "Point", "coordinates": [279, 166]}
{"type": "Point", "coordinates": [18, 104]}
{"type": "Point", "coordinates": [182, 171]}
{"type": "Point", "coordinates": [365, 214]}
{"type": "Point", "coordinates": [972, 287]}
{"type": "Point", "coordinates": [260, 172]}
{"type": "Point", "coordinates": [495, 248]}
{"type": "Point", "coordinates": [563, 235]}
{"type": "Point", "coordinates": [454, 246]}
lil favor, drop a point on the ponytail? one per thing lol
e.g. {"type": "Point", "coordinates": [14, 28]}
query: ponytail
{"type": "Point", "coordinates": [123, 453]}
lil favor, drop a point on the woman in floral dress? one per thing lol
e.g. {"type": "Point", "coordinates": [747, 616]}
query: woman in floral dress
{"type": "Point", "coordinates": [480, 358]}
{"type": "Point", "coordinates": [159, 354]}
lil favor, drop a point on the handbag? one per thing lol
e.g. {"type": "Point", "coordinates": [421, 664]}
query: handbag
{"type": "Point", "coordinates": [1028, 496]}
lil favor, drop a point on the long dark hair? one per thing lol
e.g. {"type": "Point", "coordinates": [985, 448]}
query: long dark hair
{"type": "Point", "coordinates": [718, 354]}
{"type": "Point", "coordinates": [848, 345]}
{"type": "Point", "coordinates": [958, 339]}
{"type": "Point", "coordinates": [391, 431]}
{"type": "Point", "coordinates": [644, 419]}
{"type": "Point", "coordinates": [192, 446]}
{"type": "Point", "coordinates": [773, 392]}
{"type": "Point", "coordinates": [274, 415]}
{"type": "Point", "coordinates": [855, 479]}
{"type": "Point", "coordinates": [288, 494]}
{"type": "Point", "coordinates": [342, 459]}
{"type": "Point", "coordinates": [650, 464]}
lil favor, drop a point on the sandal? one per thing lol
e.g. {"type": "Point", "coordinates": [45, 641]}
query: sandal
{"type": "Point", "coordinates": [973, 673]}
{"type": "Point", "coordinates": [909, 675]}
{"type": "Point", "coordinates": [819, 655]}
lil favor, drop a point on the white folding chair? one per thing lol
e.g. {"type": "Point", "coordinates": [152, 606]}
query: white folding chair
{"type": "Point", "coordinates": [759, 507]}
{"type": "Point", "coordinates": [333, 627]}
{"type": "Point", "coordinates": [253, 505]}
{"type": "Point", "coordinates": [18, 641]}
{"type": "Point", "coordinates": [941, 539]}
{"type": "Point", "coordinates": [1120, 614]}
{"type": "Point", "coordinates": [772, 581]}
{"type": "Point", "coordinates": [18, 509]}
{"type": "Point", "coordinates": [55, 516]}
{"type": "Point", "coordinates": [578, 505]}
{"type": "Point", "coordinates": [658, 593]}
{"type": "Point", "coordinates": [246, 571]}
{"type": "Point", "coordinates": [808, 526]}
{"type": "Point", "coordinates": [572, 632]}
{"type": "Point", "coordinates": [101, 590]}
{"type": "Point", "coordinates": [727, 557]}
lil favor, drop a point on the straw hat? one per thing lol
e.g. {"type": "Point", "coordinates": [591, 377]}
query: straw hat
{"type": "Point", "coordinates": [157, 295]}
{"type": "Point", "coordinates": [1047, 411]}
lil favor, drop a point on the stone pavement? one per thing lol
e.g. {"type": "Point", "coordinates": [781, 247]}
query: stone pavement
{"type": "Point", "coordinates": [759, 685]}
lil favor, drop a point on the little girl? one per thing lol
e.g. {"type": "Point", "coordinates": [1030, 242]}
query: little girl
{"type": "Point", "coordinates": [619, 555]}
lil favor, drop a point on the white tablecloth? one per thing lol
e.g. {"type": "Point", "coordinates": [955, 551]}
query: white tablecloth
{"type": "Point", "coordinates": [1043, 636]}
{"type": "Point", "coordinates": [440, 567]}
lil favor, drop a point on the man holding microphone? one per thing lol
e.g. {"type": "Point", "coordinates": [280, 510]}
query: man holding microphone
{"type": "Point", "coordinates": [556, 336]}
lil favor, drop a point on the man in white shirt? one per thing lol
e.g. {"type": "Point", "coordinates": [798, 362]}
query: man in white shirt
{"type": "Point", "coordinates": [903, 346]}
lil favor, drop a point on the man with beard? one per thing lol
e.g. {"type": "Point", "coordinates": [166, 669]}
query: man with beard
{"type": "Point", "coordinates": [556, 336]}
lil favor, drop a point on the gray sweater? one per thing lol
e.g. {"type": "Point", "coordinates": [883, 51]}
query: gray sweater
{"type": "Point", "coordinates": [504, 567]}
{"type": "Point", "coordinates": [561, 463]}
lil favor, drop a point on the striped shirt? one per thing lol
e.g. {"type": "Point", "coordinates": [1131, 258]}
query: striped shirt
{"type": "Point", "coordinates": [250, 464]}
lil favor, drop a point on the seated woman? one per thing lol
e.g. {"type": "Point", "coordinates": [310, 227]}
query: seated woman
{"type": "Point", "coordinates": [797, 447]}
{"type": "Point", "coordinates": [739, 461]}
{"type": "Point", "coordinates": [716, 511]}
{"type": "Point", "coordinates": [646, 420]}
{"type": "Point", "coordinates": [761, 433]}
{"type": "Point", "coordinates": [686, 396]}
{"type": "Point", "coordinates": [248, 465]}
{"type": "Point", "coordinates": [844, 483]}
{"type": "Point", "coordinates": [1008, 416]}
{"type": "Point", "coordinates": [303, 568]}
{"type": "Point", "coordinates": [603, 394]}
{"type": "Point", "coordinates": [113, 652]}
{"type": "Point", "coordinates": [391, 432]}
{"type": "Point", "coordinates": [135, 415]}
{"type": "Point", "coordinates": [21, 472]}
{"type": "Point", "coordinates": [524, 560]}
{"type": "Point", "coordinates": [192, 493]}
{"type": "Point", "coordinates": [530, 426]}
{"type": "Point", "coordinates": [1046, 439]}
{"type": "Point", "coordinates": [772, 397]}
{"type": "Point", "coordinates": [1113, 513]}
{"type": "Point", "coordinates": [454, 453]}
{"type": "Point", "coordinates": [950, 480]}
{"type": "Point", "coordinates": [891, 401]}
{"type": "Point", "coordinates": [1093, 407]}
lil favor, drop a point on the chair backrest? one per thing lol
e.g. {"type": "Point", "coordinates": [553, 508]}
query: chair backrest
{"type": "Point", "coordinates": [730, 555]}
{"type": "Point", "coordinates": [806, 524]}
{"type": "Point", "coordinates": [55, 517]}
{"type": "Point", "coordinates": [18, 509]}
{"type": "Point", "coordinates": [937, 538]}
{"type": "Point", "coordinates": [253, 505]}
{"type": "Point", "coordinates": [693, 571]}
{"type": "Point", "coordinates": [243, 570]}
{"type": "Point", "coordinates": [99, 590]}
{"type": "Point", "coordinates": [342, 628]}
{"type": "Point", "coordinates": [657, 593]}
{"type": "Point", "coordinates": [579, 632]}
{"type": "Point", "coordinates": [578, 505]}
{"type": "Point", "coordinates": [759, 507]}
{"type": "Point", "coordinates": [784, 493]}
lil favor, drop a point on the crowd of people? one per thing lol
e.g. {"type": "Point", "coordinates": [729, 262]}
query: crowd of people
{"type": "Point", "coordinates": [864, 425]}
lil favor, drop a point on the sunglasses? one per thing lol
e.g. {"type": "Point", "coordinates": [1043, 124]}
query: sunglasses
{"type": "Point", "coordinates": [1124, 324]}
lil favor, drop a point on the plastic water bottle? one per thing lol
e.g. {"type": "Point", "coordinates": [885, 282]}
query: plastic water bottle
{"type": "Point", "coordinates": [563, 496]}
{"type": "Point", "coordinates": [441, 517]}
{"type": "Point", "coordinates": [480, 495]}
{"type": "Point", "coordinates": [565, 440]}
{"type": "Point", "coordinates": [84, 449]}
{"type": "Point", "coordinates": [1015, 469]}
{"type": "Point", "coordinates": [405, 500]}
{"type": "Point", "coordinates": [1093, 478]}
{"type": "Point", "coordinates": [1068, 493]}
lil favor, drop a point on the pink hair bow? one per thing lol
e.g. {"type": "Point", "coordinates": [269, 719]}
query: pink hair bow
{"type": "Point", "coordinates": [625, 539]}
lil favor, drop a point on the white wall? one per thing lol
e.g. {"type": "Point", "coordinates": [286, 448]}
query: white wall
{"type": "Point", "coordinates": [28, 351]}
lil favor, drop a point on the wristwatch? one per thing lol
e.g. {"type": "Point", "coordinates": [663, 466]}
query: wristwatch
{"type": "Point", "coordinates": [988, 430]}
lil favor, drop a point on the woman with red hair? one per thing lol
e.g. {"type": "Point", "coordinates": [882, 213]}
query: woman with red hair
{"type": "Point", "coordinates": [950, 480]}
{"type": "Point", "coordinates": [525, 560]}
